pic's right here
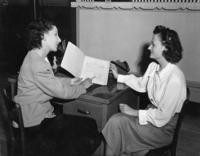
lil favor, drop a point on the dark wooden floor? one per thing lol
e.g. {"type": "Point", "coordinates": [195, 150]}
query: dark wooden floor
{"type": "Point", "coordinates": [189, 138]}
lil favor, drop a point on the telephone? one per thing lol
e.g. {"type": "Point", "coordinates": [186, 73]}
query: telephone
{"type": "Point", "coordinates": [122, 66]}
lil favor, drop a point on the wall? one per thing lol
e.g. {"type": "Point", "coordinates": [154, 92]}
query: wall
{"type": "Point", "coordinates": [2, 10]}
{"type": "Point", "coordinates": [16, 15]}
{"type": "Point", "coordinates": [114, 34]}
{"type": "Point", "coordinates": [121, 34]}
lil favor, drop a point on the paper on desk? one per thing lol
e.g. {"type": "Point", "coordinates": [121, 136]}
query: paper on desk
{"type": "Point", "coordinates": [80, 65]}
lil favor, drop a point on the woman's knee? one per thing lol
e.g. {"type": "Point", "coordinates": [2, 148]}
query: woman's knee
{"type": "Point", "coordinates": [117, 119]}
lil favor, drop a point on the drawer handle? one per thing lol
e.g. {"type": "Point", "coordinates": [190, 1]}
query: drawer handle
{"type": "Point", "coordinates": [83, 111]}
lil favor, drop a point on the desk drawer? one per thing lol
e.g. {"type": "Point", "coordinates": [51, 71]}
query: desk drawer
{"type": "Point", "coordinates": [82, 108]}
{"type": "Point", "coordinates": [91, 110]}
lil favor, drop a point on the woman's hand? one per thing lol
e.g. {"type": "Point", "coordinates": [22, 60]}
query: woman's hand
{"type": "Point", "coordinates": [114, 70]}
{"type": "Point", "coordinates": [87, 82]}
{"type": "Point", "coordinates": [124, 108]}
{"type": "Point", "coordinates": [76, 81]}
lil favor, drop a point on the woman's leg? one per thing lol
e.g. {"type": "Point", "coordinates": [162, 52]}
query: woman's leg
{"type": "Point", "coordinates": [112, 133]}
{"type": "Point", "coordinates": [108, 151]}
{"type": "Point", "coordinates": [124, 134]}
{"type": "Point", "coordinates": [73, 134]}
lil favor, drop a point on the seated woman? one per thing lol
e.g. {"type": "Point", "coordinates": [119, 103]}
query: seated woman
{"type": "Point", "coordinates": [37, 85]}
{"type": "Point", "coordinates": [137, 131]}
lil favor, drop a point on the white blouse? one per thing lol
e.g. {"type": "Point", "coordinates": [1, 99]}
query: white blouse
{"type": "Point", "coordinates": [166, 90]}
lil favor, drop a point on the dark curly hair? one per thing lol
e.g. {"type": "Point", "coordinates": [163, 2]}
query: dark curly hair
{"type": "Point", "coordinates": [171, 41]}
{"type": "Point", "coordinates": [35, 33]}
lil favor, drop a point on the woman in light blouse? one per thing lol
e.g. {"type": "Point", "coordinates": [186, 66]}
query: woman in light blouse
{"type": "Point", "coordinates": [137, 131]}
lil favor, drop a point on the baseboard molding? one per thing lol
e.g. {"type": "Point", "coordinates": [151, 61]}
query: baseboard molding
{"type": "Point", "coordinates": [194, 87]}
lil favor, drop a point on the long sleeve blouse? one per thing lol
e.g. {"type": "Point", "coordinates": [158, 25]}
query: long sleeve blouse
{"type": "Point", "coordinates": [166, 90]}
{"type": "Point", "coordinates": [37, 85]}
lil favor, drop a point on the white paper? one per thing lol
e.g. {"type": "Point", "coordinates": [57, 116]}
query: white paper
{"type": "Point", "coordinates": [79, 65]}
{"type": "Point", "coordinates": [97, 69]}
{"type": "Point", "coordinates": [73, 60]}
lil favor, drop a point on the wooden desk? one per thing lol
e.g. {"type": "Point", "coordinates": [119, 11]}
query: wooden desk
{"type": "Point", "coordinates": [101, 102]}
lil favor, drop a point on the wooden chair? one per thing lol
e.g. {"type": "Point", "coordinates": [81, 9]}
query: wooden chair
{"type": "Point", "coordinates": [12, 81]}
{"type": "Point", "coordinates": [16, 140]}
{"type": "Point", "coordinates": [171, 148]}
{"type": "Point", "coordinates": [20, 144]}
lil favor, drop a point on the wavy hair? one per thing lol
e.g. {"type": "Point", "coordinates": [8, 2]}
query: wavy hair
{"type": "Point", "coordinates": [171, 41]}
{"type": "Point", "coordinates": [35, 33]}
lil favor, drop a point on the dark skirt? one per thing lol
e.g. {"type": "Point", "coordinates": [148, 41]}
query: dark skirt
{"type": "Point", "coordinates": [64, 135]}
{"type": "Point", "coordinates": [124, 134]}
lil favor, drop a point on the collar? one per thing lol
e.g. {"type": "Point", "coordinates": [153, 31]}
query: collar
{"type": "Point", "coordinates": [37, 54]}
{"type": "Point", "coordinates": [163, 74]}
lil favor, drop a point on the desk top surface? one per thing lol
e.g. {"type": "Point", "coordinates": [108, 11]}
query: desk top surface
{"type": "Point", "coordinates": [103, 94]}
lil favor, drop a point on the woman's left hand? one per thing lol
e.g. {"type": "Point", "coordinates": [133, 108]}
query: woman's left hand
{"type": "Point", "coordinates": [124, 108]}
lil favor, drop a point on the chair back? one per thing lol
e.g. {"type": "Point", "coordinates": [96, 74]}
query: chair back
{"type": "Point", "coordinates": [16, 125]}
{"type": "Point", "coordinates": [12, 81]}
{"type": "Point", "coordinates": [179, 123]}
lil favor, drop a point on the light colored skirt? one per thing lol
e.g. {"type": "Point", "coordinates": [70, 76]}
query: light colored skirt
{"type": "Point", "coordinates": [124, 134]}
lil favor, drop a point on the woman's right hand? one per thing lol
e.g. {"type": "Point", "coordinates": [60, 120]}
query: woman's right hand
{"type": "Point", "coordinates": [76, 81]}
{"type": "Point", "coordinates": [114, 70]}
{"type": "Point", "coordinates": [87, 82]}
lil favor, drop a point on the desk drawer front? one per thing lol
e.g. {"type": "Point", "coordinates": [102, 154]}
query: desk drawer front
{"type": "Point", "coordinates": [85, 109]}
{"type": "Point", "coordinates": [91, 110]}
